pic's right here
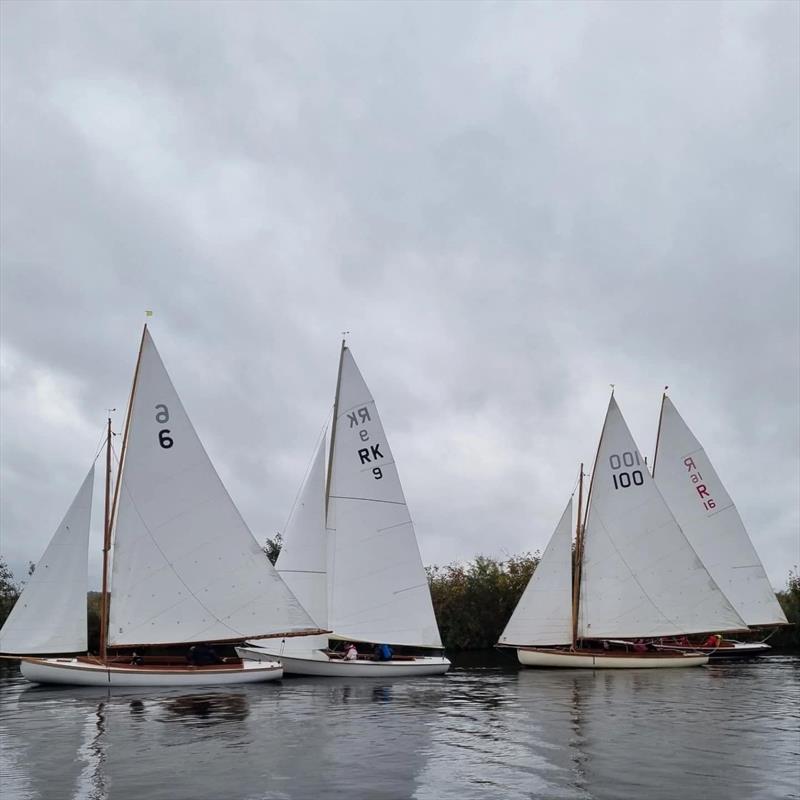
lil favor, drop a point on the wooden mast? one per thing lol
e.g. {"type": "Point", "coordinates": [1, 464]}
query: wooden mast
{"type": "Point", "coordinates": [658, 435]}
{"type": "Point", "coordinates": [333, 429]}
{"type": "Point", "coordinates": [576, 564]}
{"type": "Point", "coordinates": [106, 546]}
{"type": "Point", "coordinates": [111, 512]}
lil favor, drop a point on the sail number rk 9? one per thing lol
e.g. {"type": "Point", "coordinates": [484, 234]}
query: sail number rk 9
{"type": "Point", "coordinates": [164, 439]}
{"type": "Point", "coordinates": [623, 480]}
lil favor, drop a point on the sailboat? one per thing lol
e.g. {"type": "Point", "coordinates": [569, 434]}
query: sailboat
{"type": "Point", "coordinates": [635, 575]}
{"type": "Point", "coordinates": [350, 553]}
{"type": "Point", "coordinates": [708, 516]}
{"type": "Point", "coordinates": [186, 570]}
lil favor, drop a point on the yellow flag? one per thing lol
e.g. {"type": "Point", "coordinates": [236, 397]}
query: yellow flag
{"type": "Point", "coordinates": [148, 313]}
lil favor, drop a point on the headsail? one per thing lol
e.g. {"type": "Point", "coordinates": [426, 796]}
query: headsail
{"type": "Point", "coordinates": [378, 586]}
{"type": "Point", "coordinates": [543, 615]}
{"type": "Point", "coordinates": [50, 614]}
{"type": "Point", "coordinates": [186, 567]}
{"type": "Point", "coordinates": [640, 575]}
{"type": "Point", "coordinates": [710, 520]}
{"type": "Point", "coordinates": [303, 559]}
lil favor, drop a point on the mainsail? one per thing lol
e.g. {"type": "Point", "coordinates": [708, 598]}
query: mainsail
{"type": "Point", "coordinates": [50, 614]}
{"type": "Point", "coordinates": [711, 521]}
{"type": "Point", "coordinates": [377, 583]}
{"type": "Point", "coordinates": [543, 615]}
{"type": "Point", "coordinates": [185, 566]}
{"type": "Point", "coordinates": [640, 576]}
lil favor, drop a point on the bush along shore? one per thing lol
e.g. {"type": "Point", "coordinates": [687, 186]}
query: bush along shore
{"type": "Point", "coordinates": [473, 601]}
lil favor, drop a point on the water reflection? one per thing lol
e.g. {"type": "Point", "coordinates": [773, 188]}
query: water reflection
{"type": "Point", "coordinates": [708, 733]}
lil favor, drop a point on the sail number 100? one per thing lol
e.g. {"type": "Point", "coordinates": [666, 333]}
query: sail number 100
{"type": "Point", "coordinates": [625, 479]}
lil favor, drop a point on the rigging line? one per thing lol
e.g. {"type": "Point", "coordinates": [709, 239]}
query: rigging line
{"type": "Point", "coordinates": [320, 436]}
{"type": "Point", "coordinates": [99, 447]}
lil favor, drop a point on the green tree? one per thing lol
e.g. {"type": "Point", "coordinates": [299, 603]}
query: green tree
{"type": "Point", "coordinates": [9, 590]}
{"type": "Point", "coordinates": [789, 599]}
{"type": "Point", "coordinates": [273, 548]}
{"type": "Point", "coordinates": [474, 601]}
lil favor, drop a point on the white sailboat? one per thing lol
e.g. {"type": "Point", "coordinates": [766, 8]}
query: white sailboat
{"type": "Point", "coordinates": [351, 555]}
{"type": "Point", "coordinates": [186, 569]}
{"type": "Point", "coordinates": [708, 516]}
{"type": "Point", "coordinates": [636, 576]}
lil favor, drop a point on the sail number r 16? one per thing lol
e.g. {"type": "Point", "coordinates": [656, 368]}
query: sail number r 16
{"type": "Point", "coordinates": [164, 439]}
{"type": "Point", "coordinates": [625, 479]}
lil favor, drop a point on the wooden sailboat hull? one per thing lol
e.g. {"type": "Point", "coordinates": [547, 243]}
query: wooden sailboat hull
{"type": "Point", "coordinates": [77, 672]}
{"type": "Point", "coordinates": [601, 659]}
{"type": "Point", "coordinates": [316, 662]}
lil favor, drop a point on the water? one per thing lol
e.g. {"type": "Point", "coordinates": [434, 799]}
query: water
{"type": "Point", "coordinates": [483, 731]}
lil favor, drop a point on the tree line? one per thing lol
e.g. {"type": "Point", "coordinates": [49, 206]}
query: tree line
{"type": "Point", "coordinates": [473, 601]}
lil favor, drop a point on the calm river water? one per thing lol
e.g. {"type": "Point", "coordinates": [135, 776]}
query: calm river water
{"type": "Point", "coordinates": [483, 731]}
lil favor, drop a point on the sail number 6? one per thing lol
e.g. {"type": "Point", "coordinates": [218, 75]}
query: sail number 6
{"type": "Point", "coordinates": [164, 439]}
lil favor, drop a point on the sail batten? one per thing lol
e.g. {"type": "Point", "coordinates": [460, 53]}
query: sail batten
{"type": "Point", "coordinates": [50, 613]}
{"type": "Point", "coordinates": [712, 523]}
{"type": "Point", "coordinates": [640, 575]}
{"type": "Point", "coordinates": [185, 565]}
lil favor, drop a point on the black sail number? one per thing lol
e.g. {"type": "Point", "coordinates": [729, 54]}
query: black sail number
{"type": "Point", "coordinates": [623, 480]}
{"type": "Point", "coordinates": [162, 416]}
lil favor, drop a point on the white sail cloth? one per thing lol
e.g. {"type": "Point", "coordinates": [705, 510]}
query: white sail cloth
{"type": "Point", "coordinates": [378, 589]}
{"type": "Point", "coordinates": [704, 510]}
{"type": "Point", "coordinates": [640, 576]}
{"type": "Point", "coordinates": [543, 615]}
{"type": "Point", "coordinates": [50, 614]}
{"type": "Point", "coordinates": [303, 560]}
{"type": "Point", "coordinates": [186, 567]}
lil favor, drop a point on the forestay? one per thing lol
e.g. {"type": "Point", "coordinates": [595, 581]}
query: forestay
{"type": "Point", "coordinates": [711, 521]}
{"type": "Point", "coordinates": [543, 615]}
{"type": "Point", "coordinates": [50, 614]}
{"type": "Point", "coordinates": [186, 567]}
{"type": "Point", "coordinates": [640, 575]}
{"type": "Point", "coordinates": [378, 586]}
{"type": "Point", "coordinates": [302, 562]}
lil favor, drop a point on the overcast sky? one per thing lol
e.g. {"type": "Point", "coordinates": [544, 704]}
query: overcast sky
{"type": "Point", "coordinates": [509, 206]}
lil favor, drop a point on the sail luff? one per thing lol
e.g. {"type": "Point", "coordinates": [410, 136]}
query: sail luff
{"type": "Point", "coordinates": [105, 599]}
{"type": "Point", "coordinates": [576, 561]}
{"type": "Point", "coordinates": [658, 433]}
{"type": "Point", "coordinates": [333, 427]}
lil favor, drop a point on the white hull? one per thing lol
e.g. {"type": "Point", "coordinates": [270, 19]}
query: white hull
{"type": "Point", "coordinates": [606, 660]}
{"type": "Point", "coordinates": [72, 671]}
{"type": "Point", "coordinates": [317, 663]}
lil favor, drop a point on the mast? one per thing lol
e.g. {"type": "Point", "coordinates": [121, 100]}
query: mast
{"type": "Point", "coordinates": [576, 562]}
{"type": "Point", "coordinates": [106, 546]}
{"type": "Point", "coordinates": [111, 511]}
{"type": "Point", "coordinates": [333, 429]}
{"type": "Point", "coordinates": [658, 434]}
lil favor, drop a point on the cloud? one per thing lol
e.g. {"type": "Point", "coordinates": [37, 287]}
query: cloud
{"type": "Point", "coordinates": [509, 207]}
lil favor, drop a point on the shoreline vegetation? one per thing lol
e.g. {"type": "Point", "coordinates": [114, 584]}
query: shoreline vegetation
{"type": "Point", "coordinates": [473, 600]}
